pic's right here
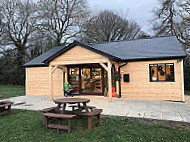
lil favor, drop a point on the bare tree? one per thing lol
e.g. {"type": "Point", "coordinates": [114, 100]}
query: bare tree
{"type": "Point", "coordinates": [183, 26]}
{"type": "Point", "coordinates": [62, 18]}
{"type": "Point", "coordinates": [173, 18]}
{"type": "Point", "coordinates": [20, 22]}
{"type": "Point", "coordinates": [164, 23]}
{"type": "Point", "coordinates": [2, 25]}
{"type": "Point", "coordinates": [109, 26]}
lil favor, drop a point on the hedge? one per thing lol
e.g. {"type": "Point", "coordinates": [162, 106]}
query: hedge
{"type": "Point", "coordinates": [187, 77]}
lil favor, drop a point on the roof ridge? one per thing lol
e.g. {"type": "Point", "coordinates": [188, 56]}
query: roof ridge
{"type": "Point", "coordinates": [106, 42]}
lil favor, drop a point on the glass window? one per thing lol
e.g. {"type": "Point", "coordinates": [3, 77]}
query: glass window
{"type": "Point", "coordinates": [74, 79]}
{"type": "Point", "coordinates": [169, 72]}
{"type": "Point", "coordinates": [161, 72]}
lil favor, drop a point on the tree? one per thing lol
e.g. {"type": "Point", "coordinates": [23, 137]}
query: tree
{"type": "Point", "coordinates": [19, 23]}
{"type": "Point", "coordinates": [62, 19]}
{"type": "Point", "coordinates": [143, 34]}
{"type": "Point", "coordinates": [183, 26]}
{"type": "Point", "coordinates": [7, 67]}
{"type": "Point", "coordinates": [2, 25]}
{"type": "Point", "coordinates": [173, 18]}
{"type": "Point", "coordinates": [109, 26]}
{"type": "Point", "coordinates": [163, 23]}
{"type": "Point", "coordinates": [29, 28]}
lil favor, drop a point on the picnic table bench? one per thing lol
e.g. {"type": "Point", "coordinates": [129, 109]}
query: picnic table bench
{"type": "Point", "coordinates": [50, 109]}
{"type": "Point", "coordinates": [5, 107]}
{"type": "Point", "coordinates": [74, 107]}
{"type": "Point", "coordinates": [90, 115]}
{"type": "Point", "coordinates": [48, 116]}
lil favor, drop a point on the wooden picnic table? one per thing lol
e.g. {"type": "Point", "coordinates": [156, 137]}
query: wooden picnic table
{"type": "Point", "coordinates": [60, 112]}
{"type": "Point", "coordinates": [65, 101]}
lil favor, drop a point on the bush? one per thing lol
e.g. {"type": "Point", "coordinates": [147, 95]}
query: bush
{"type": "Point", "coordinates": [187, 77]}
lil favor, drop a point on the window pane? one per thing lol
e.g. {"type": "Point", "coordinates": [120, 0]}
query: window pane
{"type": "Point", "coordinates": [153, 72]}
{"type": "Point", "coordinates": [161, 72]}
{"type": "Point", "coordinates": [169, 72]}
{"type": "Point", "coordinates": [74, 79]}
{"type": "Point", "coordinates": [97, 80]}
{"type": "Point", "coordinates": [86, 80]}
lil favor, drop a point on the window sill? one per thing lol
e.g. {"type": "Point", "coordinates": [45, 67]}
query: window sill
{"type": "Point", "coordinates": [162, 81]}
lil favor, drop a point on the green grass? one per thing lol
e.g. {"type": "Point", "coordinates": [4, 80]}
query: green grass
{"type": "Point", "coordinates": [9, 91]}
{"type": "Point", "coordinates": [23, 125]}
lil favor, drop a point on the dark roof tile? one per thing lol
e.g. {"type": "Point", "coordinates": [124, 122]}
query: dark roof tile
{"type": "Point", "coordinates": [139, 49]}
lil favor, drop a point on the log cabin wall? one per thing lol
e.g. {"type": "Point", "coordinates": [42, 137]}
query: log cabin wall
{"type": "Point", "coordinates": [37, 81]}
{"type": "Point", "coordinates": [140, 86]}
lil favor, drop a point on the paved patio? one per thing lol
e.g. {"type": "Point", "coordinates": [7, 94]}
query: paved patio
{"type": "Point", "coordinates": [162, 110]}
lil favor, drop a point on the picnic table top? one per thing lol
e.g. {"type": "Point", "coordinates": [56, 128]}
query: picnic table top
{"type": "Point", "coordinates": [71, 100]}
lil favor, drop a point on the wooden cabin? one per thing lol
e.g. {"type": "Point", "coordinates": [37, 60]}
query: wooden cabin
{"type": "Point", "coordinates": [150, 68]}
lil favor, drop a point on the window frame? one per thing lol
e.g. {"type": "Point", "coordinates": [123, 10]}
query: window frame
{"type": "Point", "coordinates": [157, 72]}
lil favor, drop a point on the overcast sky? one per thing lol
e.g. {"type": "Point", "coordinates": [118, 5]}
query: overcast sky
{"type": "Point", "coordinates": [139, 10]}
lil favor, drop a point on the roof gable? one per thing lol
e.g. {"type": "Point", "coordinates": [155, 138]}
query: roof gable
{"type": "Point", "coordinates": [45, 58]}
{"type": "Point", "coordinates": [75, 43]}
{"type": "Point", "coordinates": [78, 55]}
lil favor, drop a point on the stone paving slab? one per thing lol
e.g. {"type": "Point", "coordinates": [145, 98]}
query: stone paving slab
{"type": "Point", "coordinates": [162, 110]}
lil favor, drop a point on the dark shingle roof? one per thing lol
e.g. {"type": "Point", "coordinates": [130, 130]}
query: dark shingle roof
{"type": "Point", "coordinates": [39, 61]}
{"type": "Point", "coordinates": [150, 48]}
{"type": "Point", "coordinates": [140, 49]}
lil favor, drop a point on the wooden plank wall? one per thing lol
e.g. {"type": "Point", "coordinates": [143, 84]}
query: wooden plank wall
{"type": "Point", "coordinates": [140, 86]}
{"type": "Point", "coordinates": [78, 54]}
{"type": "Point", "coordinates": [37, 81]}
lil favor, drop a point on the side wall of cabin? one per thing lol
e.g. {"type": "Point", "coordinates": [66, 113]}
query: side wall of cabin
{"type": "Point", "coordinates": [37, 81]}
{"type": "Point", "coordinates": [140, 86]}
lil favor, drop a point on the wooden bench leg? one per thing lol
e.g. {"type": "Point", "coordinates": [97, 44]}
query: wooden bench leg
{"type": "Point", "coordinates": [45, 121]}
{"type": "Point", "coordinates": [69, 125]}
{"type": "Point", "coordinates": [90, 121]}
{"type": "Point", "coordinates": [9, 109]}
{"type": "Point", "coordinates": [59, 120]}
{"type": "Point", "coordinates": [99, 118]}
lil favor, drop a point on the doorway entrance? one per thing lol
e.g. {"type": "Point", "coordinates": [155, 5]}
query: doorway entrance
{"type": "Point", "coordinates": [87, 80]}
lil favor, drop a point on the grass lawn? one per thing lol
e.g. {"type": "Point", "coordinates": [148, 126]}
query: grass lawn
{"type": "Point", "coordinates": [24, 125]}
{"type": "Point", "coordinates": [9, 91]}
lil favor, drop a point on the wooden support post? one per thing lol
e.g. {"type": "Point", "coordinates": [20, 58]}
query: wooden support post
{"type": "Point", "coordinates": [104, 66]}
{"type": "Point", "coordinates": [117, 82]}
{"type": "Point", "coordinates": [51, 82]}
{"type": "Point", "coordinates": [63, 79]}
{"type": "Point", "coordinates": [66, 75]}
{"type": "Point", "coordinates": [109, 81]}
{"type": "Point", "coordinates": [54, 69]}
